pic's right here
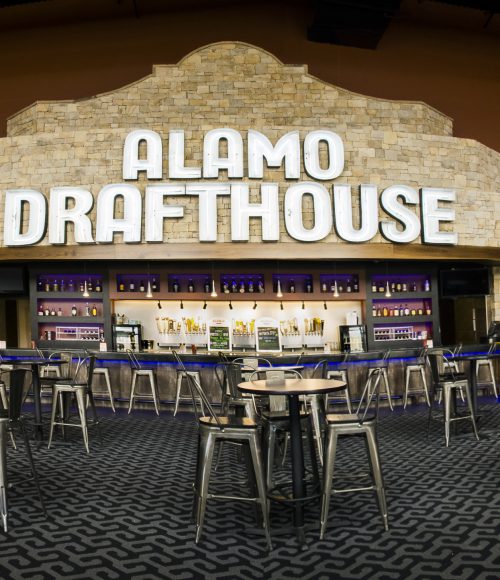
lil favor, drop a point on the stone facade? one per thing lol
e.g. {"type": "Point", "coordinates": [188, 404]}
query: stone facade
{"type": "Point", "coordinates": [235, 85]}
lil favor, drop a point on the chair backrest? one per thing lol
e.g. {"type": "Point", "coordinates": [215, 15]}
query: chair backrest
{"type": "Point", "coordinates": [197, 391]}
{"type": "Point", "coordinates": [20, 382]}
{"type": "Point", "coordinates": [370, 402]}
{"type": "Point", "coordinates": [492, 348]}
{"type": "Point", "coordinates": [84, 372]}
{"type": "Point", "coordinates": [320, 370]}
{"type": "Point", "coordinates": [277, 402]}
{"type": "Point", "coordinates": [72, 360]}
{"type": "Point", "coordinates": [132, 359]}
{"type": "Point", "coordinates": [442, 368]}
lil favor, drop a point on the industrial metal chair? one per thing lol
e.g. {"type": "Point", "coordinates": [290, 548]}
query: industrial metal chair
{"type": "Point", "coordinates": [419, 367]}
{"type": "Point", "coordinates": [102, 371]}
{"type": "Point", "coordinates": [181, 380]}
{"type": "Point", "coordinates": [362, 423]}
{"type": "Point", "coordinates": [446, 381]}
{"type": "Point", "coordinates": [81, 388]}
{"type": "Point", "coordinates": [137, 371]}
{"type": "Point", "coordinates": [380, 368]}
{"type": "Point", "coordinates": [487, 364]}
{"type": "Point", "coordinates": [229, 375]}
{"type": "Point", "coordinates": [214, 429]}
{"type": "Point", "coordinates": [10, 418]}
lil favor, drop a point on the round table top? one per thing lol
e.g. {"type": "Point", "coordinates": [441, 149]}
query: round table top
{"type": "Point", "coordinates": [477, 356]}
{"type": "Point", "coordinates": [280, 368]}
{"type": "Point", "coordinates": [291, 386]}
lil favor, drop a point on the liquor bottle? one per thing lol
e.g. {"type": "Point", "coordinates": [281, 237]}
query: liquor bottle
{"type": "Point", "coordinates": [374, 286]}
{"type": "Point", "coordinates": [420, 311]}
{"type": "Point", "coordinates": [391, 312]}
{"type": "Point", "coordinates": [414, 286]}
{"type": "Point", "coordinates": [396, 311]}
{"type": "Point", "coordinates": [413, 312]}
{"type": "Point", "coordinates": [308, 287]}
{"type": "Point", "coordinates": [428, 310]}
{"type": "Point", "coordinates": [62, 285]}
{"type": "Point", "coordinates": [374, 310]}
{"type": "Point", "coordinates": [55, 287]}
{"type": "Point", "coordinates": [40, 310]}
{"type": "Point", "coordinates": [98, 287]}
{"type": "Point", "coordinates": [242, 287]}
{"type": "Point", "coordinates": [39, 286]}
{"type": "Point", "coordinates": [71, 286]}
{"type": "Point", "coordinates": [260, 286]}
{"type": "Point", "coordinates": [291, 288]}
{"type": "Point", "coordinates": [46, 311]}
{"type": "Point", "coordinates": [393, 287]}
{"type": "Point", "coordinates": [323, 287]}
{"type": "Point", "coordinates": [381, 287]}
{"type": "Point", "coordinates": [405, 287]}
{"type": "Point", "coordinates": [154, 285]}
{"type": "Point", "coordinates": [141, 286]}
{"type": "Point", "coordinates": [74, 311]}
{"type": "Point", "coordinates": [175, 285]}
{"type": "Point", "coordinates": [355, 285]}
{"type": "Point", "coordinates": [398, 287]}
{"type": "Point", "coordinates": [121, 286]}
{"type": "Point", "coordinates": [131, 286]}
{"type": "Point", "coordinates": [206, 286]}
{"type": "Point", "coordinates": [59, 312]}
{"type": "Point", "coordinates": [94, 310]}
{"type": "Point", "coordinates": [332, 287]}
{"type": "Point", "coordinates": [385, 311]}
{"type": "Point", "coordinates": [348, 287]}
{"type": "Point", "coordinates": [250, 285]}
{"type": "Point", "coordinates": [190, 286]}
{"type": "Point", "coordinates": [52, 311]}
{"type": "Point", "coordinates": [47, 285]}
{"type": "Point", "coordinates": [225, 287]}
{"type": "Point", "coordinates": [90, 285]}
{"type": "Point", "coordinates": [427, 285]}
{"type": "Point", "coordinates": [82, 286]}
{"type": "Point", "coordinates": [87, 309]}
{"type": "Point", "coordinates": [234, 286]}
{"type": "Point", "coordinates": [407, 310]}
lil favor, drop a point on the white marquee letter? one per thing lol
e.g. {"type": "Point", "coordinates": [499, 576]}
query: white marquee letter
{"type": "Point", "coordinates": [60, 214]}
{"type": "Point", "coordinates": [130, 224]}
{"type": "Point", "coordinates": [389, 200]}
{"type": "Point", "coordinates": [207, 194]}
{"type": "Point", "coordinates": [368, 213]}
{"type": "Point", "coordinates": [322, 212]}
{"type": "Point", "coordinates": [17, 202]}
{"type": "Point", "coordinates": [176, 154]}
{"type": "Point", "coordinates": [152, 165]}
{"type": "Point", "coordinates": [312, 156]}
{"type": "Point", "coordinates": [432, 215]}
{"type": "Point", "coordinates": [242, 210]}
{"type": "Point", "coordinates": [288, 147]}
{"type": "Point", "coordinates": [156, 211]}
{"type": "Point", "coordinates": [212, 163]}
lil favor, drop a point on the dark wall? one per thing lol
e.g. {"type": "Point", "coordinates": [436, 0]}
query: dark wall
{"type": "Point", "coordinates": [67, 49]}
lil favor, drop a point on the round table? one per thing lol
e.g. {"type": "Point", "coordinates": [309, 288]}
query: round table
{"type": "Point", "coordinates": [293, 389]}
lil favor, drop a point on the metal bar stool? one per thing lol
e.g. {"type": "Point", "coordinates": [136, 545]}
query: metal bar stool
{"type": "Point", "coordinates": [214, 429]}
{"type": "Point", "coordinates": [487, 364]}
{"type": "Point", "coordinates": [181, 376]}
{"type": "Point", "coordinates": [380, 369]}
{"type": "Point", "coordinates": [81, 389]}
{"type": "Point", "coordinates": [138, 372]}
{"type": "Point", "coordinates": [104, 372]}
{"type": "Point", "coordinates": [356, 424]}
{"type": "Point", "coordinates": [419, 367]}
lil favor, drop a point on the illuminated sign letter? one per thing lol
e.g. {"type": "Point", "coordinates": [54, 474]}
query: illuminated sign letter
{"type": "Point", "coordinates": [207, 194]}
{"type": "Point", "coordinates": [152, 165]}
{"type": "Point", "coordinates": [176, 156]}
{"type": "Point", "coordinates": [17, 203]}
{"type": "Point", "coordinates": [242, 210]}
{"type": "Point", "coordinates": [60, 214]}
{"type": "Point", "coordinates": [432, 215]}
{"type": "Point", "coordinates": [130, 224]}
{"type": "Point", "coordinates": [322, 209]}
{"type": "Point", "coordinates": [335, 147]}
{"type": "Point", "coordinates": [368, 213]}
{"type": "Point", "coordinates": [156, 211]}
{"type": "Point", "coordinates": [288, 147]}
{"type": "Point", "coordinates": [212, 163]}
{"type": "Point", "coordinates": [409, 221]}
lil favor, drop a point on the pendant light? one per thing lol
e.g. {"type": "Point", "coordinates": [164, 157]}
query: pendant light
{"type": "Point", "coordinates": [335, 290]}
{"type": "Point", "coordinates": [279, 293]}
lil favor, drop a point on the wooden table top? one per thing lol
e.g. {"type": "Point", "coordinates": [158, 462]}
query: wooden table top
{"type": "Point", "coordinates": [291, 386]}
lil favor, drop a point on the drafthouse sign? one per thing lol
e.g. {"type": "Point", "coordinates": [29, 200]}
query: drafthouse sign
{"type": "Point", "coordinates": [233, 166]}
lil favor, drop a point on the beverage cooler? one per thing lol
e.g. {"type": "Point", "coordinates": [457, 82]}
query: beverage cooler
{"type": "Point", "coordinates": [127, 336]}
{"type": "Point", "coordinates": [353, 338]}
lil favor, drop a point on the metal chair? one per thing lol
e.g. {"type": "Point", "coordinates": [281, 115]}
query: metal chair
{"type": "Point", "coordinates": [446, 381]}
{"type": "Point", "coordinates": [10, 418]}
{"type": "Point", "coordinates": [418, 366]}
{"type": "Point", "coordinates": [81, 388]}
{"type": "Point", "coordinates": [229, 375]}
{"type": "Point", "coordinates": [214, 429]}
{"type": "Point", "coordinates": [137, 371]}
{"type": "Point", "coordinates": [181, 379]}
{"type": "Point", "coordinates": [339, 373]}
{"type": "Point", "coordinates": [380, 369]}
{"type": "Point", "coordinates": [487, 364]}
{"type": "Point", "coordinates": [358, 424]}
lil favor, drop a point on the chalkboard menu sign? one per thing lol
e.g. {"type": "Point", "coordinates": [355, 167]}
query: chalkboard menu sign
{"type": "Point", "coordinates": [219, 335]}
{"type": "Point", "coordinates": [267, 335]}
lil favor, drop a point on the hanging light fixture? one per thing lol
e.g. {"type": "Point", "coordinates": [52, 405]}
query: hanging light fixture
{"type": "Point", "coordinates": [85, 290]}
{"type": "Point", "coordinates": [387, 291]}
{"type": "Point", "coordinates": [335, 290]}
{"type": "Point", "coordinates": [149, 293]}
{"type": "Point", "coordinates": [279, 293]}
{"type": "Point", "coordinates": [254, 305]}
{"type": "Point", "coordinates": [213, 294]}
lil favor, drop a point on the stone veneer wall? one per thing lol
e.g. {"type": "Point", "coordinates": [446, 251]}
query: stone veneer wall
{"type": "Point", "coordinates": [235, 85]}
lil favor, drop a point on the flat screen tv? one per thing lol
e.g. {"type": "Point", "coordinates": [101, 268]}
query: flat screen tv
{"type": "Point", "coordinates": [465, 282]}
{"type": "Point", "coordinates": [12, 280]}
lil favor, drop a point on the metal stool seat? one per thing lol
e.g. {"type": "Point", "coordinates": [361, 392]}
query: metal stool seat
{"type": "Point", "coordinates": [81, 391]}
{"type": "Point", "coordinates": [212, 430]}
{"type": "Point", "coordinates": [354, 424]}
{"type": "Point", "coordinates": [137, 373]}
{"type": "Point", "coordinates": [104, 372]}
{"type": "Point", "coordinates": [181, 376]}
{"type": "Point", "coordinates": [419, 367]}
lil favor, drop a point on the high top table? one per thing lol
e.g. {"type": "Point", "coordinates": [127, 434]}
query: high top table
{"type": "Point", "coordinates": [293, 389]}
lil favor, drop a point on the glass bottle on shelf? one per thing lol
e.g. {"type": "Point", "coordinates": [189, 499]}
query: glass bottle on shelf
{"type": "Point", "coordinates": [190, 286]}
{"type": "Point", "coordinates": [355, 284]}
{"type": "Point", "coordinates": [206, 286]}
{"type": "Point", "coordinates": [40, 310]}
{"type": "Point", "coordinates": [71, 286]}
{"type": "Point", "coordinates": [428, 310]}
{"type": "Point", "coordinates": [234, 286]}
{"type": "Point", "coordinates": [414, 286]}
{"type": "Point", "coordinates": [381, 287]}
{"type": "Point", "coordinates": [46, 311]}
{"type": "Point", "coordinates": [90, 285]}
{"type": "Point", "coordinates": [141, 286]}
{"type": "Point", "coordinates": [427, 285]}
{"type": "Point", "coordinates": [55, 286]}
{"type": "Point", "coordinates": [175, 285]}
{"type": "Point", "coordinates": [94, 310]}
{"type": "Point", "coordinates": [349, 286]}
{"type": "Point", "coordinates": [225, 287]}
{"type": "Point", "coordinates": [98, 287]}
{"type": "Point", "coordinates": [374, 310]}
{"type": "Point", "coordinates": [396, 311]}
{"type": "Point", "coordinates": [374, 286]}
{"type": "Point", "coordinates": [308, 287]}
{"type": "Point", "coordinates": [87, 309]}
{"type": "Point", "coordinates": [74, 311]}
{"type": "Point", "coordinates": [291, 288]}
{"type": "Point", "coordinates": [47, 285]}
{"type": "Point", "coordinates": [260, 286]}
{"type": "Point", "coordinates": [131, 285]}
{"type": "Point", "coordinates": [59, 311]}
{"type": "Point", "coordinates": [62, 285]}
{"type": "Point", "coordinates": [121, 286]}
{"type": "Point", "coordinates": [399, 287]}
{"type": "Point", "coordinates": [39, 285]}
{"type": "Point", "coordinates": [154, 285]}
{"type": "Point", "coordinates": [385, 311]}
{"type": "Point", "coordinates": [323, 287]}
{"type": "Point", "coordinates": [82, 286]}
{"type": "Point", "coordinates": [393, 287]}
{"type": "Point", "coordinates": [250, 285]}
{"type": "Point", "coordinates": [404, 287]}
{"type": "Point", "coordinates": [413, 311]}
{"type": "Point", "coordinates": [407, 310]}
{"type": "Point", "coordinates": [242, 286]}
{"type": "Point", "coordinates": [53, 311]}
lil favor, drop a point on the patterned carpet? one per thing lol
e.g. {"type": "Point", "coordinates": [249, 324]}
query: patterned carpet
{"type": "Point", "coordinates": [124, 510]}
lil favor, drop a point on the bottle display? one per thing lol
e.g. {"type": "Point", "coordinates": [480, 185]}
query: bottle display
{"type": "Point", "coordinates": [175, 285]}
{"type": "Point", "coordinates": [94, 310]}
{"type": "Point", "coordinates": [74, 311]}
{"type": "Point", "coordinates": [131, 286]}
{"type": "Point", "coordinates": [142, 288]}
{"type": "Point", "coordinates": [87, 309]}
{"type": "Point", "coordinates": [190, 286]}
{"type": "Point", "coordinates": [154, 285]}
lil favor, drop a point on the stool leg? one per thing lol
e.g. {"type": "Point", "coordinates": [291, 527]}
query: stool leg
{"type": "Point", "coordinates": [471, 410]}
{"type": "Point", "coordinates": [32, 464]}
{"type": "Point", "coordinates": [261, 485]}
{"type": "Point", "coordinates": [373, 454]}
{"type": "Point", "coordinates": [3, 475]}
{"type": "Point", "coordinates": [110, 391]}
{"type": "Point", "coordinates": [387, 388]}
{"type": "Point", "coordinates": [328, 465]}
{"type": "Point", "coordinates": [132, 391]}
{"type": "Point", "coordinates": [80, 401]}
{"type": "Point", "coordinates": [407, 385]}
{"type": "Point", "coordinates": [493, 380]}
{"type": "Point", "coordinates": [178, 392]}
{"type": "Point", "coordinates": [447, 413]}
{"type": "Point", "coordinates": [55, 402]}
{"type": "Point", "coordinates": [315, 411]}
{"type": "Point", "coordinates": [424, 382]}
{"type": "Point", "coordinates": [207, 452]}
{"type": "Point", "coordinates": [153, 391]}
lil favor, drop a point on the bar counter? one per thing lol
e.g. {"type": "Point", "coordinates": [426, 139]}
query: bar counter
{"type": "Point", "coordinates": [204, 362]}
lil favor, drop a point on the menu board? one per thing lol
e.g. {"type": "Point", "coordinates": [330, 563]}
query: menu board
{"type": "Point", "coordinates": [267, 335]}
{"type": "Point", "coordinates": [219, 335]}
